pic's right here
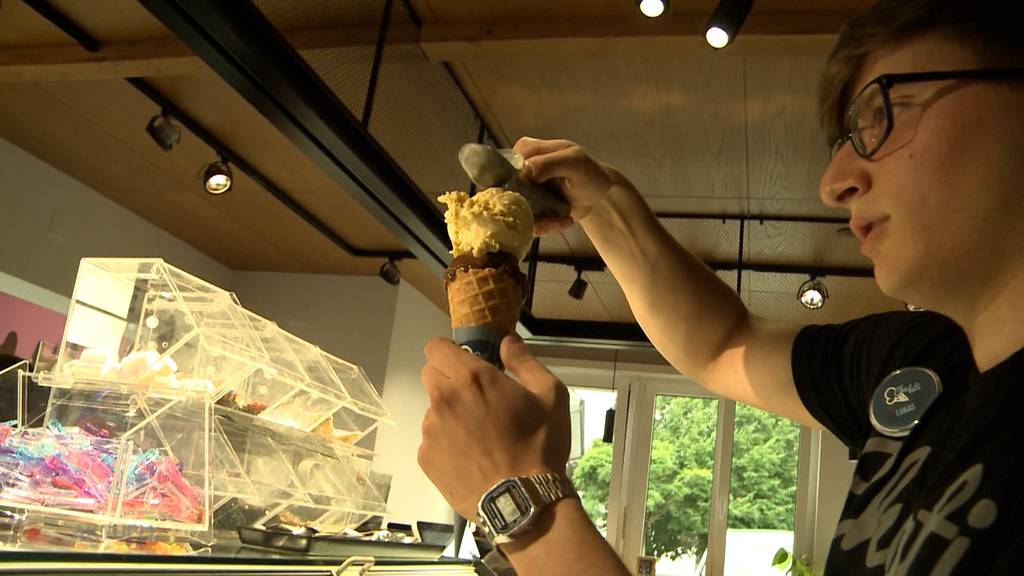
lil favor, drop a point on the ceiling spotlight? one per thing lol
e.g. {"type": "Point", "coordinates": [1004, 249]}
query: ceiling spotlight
{"type": "Point", "coordinates": [653, 8]}
{"type": "Point", "coordinates": [163, 131]}
{"type": "Point", "coordinates": [812, 294]}
{"type": "Point", "coordinates": [716, 37]}
{"type": "Point", "coordinates": [726, 22]}
{"type": "Point", "coordinates": [390, 273]}
{"type": "Point", "coordinates": [579, 286]}
{"type": "Point", "coordinates": [217, 177]}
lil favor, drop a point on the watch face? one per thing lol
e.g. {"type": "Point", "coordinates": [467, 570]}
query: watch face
{"type": "Point", "coordinates": [507, 507]}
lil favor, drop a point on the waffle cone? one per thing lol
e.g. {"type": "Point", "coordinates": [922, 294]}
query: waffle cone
{"type": "Point", "coordinates": [485, 297]}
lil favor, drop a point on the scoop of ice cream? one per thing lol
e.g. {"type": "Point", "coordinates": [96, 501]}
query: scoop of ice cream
{"type": "Point", "coordinates": [494, 220]}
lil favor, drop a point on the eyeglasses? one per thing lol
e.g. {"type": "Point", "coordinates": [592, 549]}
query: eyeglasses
{"type": "Point", "coordinates": [870, 119]}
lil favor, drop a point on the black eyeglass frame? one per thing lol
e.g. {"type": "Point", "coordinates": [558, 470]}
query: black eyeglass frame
{"type": "Point", "coordinates": [887, 81]}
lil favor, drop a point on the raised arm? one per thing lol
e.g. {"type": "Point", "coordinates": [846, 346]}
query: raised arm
{"type": "Point", "coordinates": [694, 319]}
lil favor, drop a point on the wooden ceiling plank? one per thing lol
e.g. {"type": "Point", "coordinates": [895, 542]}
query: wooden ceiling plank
{"type": "Point", "coordinates": [478, 99]}
{"type": "Point", "coordinates": [262, 224]}
{"type": "Point", "coordinates": [232, 120]}
{"type": "Point", "coordinates": [148, 58]}
{"type": "Point", "coordinates": [440, 50]}
{"type": "Point", "coordinates": [48, 141]}
{"type": "Point", "coordinates": [788, 152]}
{"type": "Point", "coordinates": [449, 10]}
{"type": "Point", "coordinates": [674, 126]}
{"type": "Point", "coordinates": [71, 62]}
{"type": "Point", "coordinates": [217, 220]}
{"type": "Point", "coordinates": [780, 33]}
{"type": "Point", "coordinates": [758, 24]}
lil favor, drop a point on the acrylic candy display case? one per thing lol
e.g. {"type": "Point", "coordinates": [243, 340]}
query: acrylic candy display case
{"type": "Point", "coordinates": [177, 415]}
{"type": "Point", "coordinates": [273, 474]}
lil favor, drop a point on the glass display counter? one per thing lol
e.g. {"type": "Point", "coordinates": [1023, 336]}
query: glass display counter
{"type": "Point", "coordinates": [176, 417]}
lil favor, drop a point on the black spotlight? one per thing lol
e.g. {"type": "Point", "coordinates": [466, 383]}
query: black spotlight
{"type": "Point", "coordinates": [163, 131]}
{"type": "Point", "coordinates": [390, 273]}
{"type": "Point", "coordinates": [812, 294]}
{"type": "Point", "coordinates": [579, 286]}
{"type": "Point", "coordinates": [217, 177]}
{"type": "Point", "coordinates": [726, 22]}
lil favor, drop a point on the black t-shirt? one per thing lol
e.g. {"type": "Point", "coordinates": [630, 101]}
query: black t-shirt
{"type": "Point", "coordinates": [945, 499]}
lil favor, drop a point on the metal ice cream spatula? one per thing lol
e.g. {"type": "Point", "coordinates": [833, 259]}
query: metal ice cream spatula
{"type": "Point", "coordinates": [488, 166]}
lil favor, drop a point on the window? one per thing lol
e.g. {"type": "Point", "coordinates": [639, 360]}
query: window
{"type": "Point", "coordinates": [679, 482]}
{"type": "Point", "coordinates": [590, 459]}
{"type": "Point", "coordinates": [715, 482]}
{"type": "Point", "coordinates": [591, 395]}
{"type": "Point", "coordinates": [762, 491]}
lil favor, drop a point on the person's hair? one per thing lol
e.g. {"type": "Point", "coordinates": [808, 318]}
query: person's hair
{"type": "Point", "coordinates": [990, 28]}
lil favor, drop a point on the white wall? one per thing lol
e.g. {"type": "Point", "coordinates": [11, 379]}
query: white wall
{"type": "Point", "coordinates": [834, 477]}
{"type": "Point", "coordinates": [412, 494]}
{"type": "Point", "coordinates": [49, 221]}
{"type": "Point", "coordinates": [31, 293]}
{"type": "Point", "coordinates": [348, 316]}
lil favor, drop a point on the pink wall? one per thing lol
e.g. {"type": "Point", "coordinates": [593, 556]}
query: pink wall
{"type": "Point", "coordinates": [31, 322]}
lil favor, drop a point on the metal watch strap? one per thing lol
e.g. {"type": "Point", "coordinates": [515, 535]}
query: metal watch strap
{"type": "Point", "coordinates": [541, 490]}
{"type": "Point", "coordinates": [552, 486]}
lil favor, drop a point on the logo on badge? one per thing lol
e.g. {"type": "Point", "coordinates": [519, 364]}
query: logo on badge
{"type": "Point", "coordinates": [892, 396]}
{"type": "Point", "coordinates": [902, 398]}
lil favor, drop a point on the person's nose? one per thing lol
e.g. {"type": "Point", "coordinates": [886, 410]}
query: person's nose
{"type": "Point", "coordinates": [845, 178]}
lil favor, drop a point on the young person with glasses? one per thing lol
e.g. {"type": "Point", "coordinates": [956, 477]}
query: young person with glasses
{"type": "Point", "coordinates": [923, 102]}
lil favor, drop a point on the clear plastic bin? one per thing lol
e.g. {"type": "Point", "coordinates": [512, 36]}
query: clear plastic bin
{"type": "Point", "coordinates": [140, 324]}
{"type": "Point", "coordinates": [174, 413]}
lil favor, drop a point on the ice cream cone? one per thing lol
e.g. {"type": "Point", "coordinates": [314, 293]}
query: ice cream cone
{"type": "Point", "coordinates": [490, 233]}
{"type": "Point", "coordinates": [485, 297]}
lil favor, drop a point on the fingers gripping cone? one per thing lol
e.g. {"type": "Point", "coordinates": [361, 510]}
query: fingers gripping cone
{"type": "Point", "coordinates": [484, 305]}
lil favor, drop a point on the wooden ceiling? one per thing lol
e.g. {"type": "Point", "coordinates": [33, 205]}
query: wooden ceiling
{"type": "Point", "coordinates": [729, 132]}
{"type": "Point", "coordinates": [51, 88]}
{"type": "Point", "coordinates": [799, 12]}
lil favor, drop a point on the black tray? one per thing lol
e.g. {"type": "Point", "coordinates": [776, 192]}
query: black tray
{"type": "Point", "coordinates": [335, 546]}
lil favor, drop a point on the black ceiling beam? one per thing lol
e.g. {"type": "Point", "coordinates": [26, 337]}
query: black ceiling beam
{"type": "Point", "coordinates": [236, 41]}
{"type": "Point", "coordinates": [582, 331]}
{"type": "Point", "coordinates": [253, 173]}
{"type": "Point", "coordinates": [585, 263]}
{"type": "Point", "coordinates": [58, 19]}
{"type": "Point", "coordinates": [596, 263]}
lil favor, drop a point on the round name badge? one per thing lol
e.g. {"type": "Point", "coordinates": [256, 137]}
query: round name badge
{"type": "Point", "coordinates": [902, 398]}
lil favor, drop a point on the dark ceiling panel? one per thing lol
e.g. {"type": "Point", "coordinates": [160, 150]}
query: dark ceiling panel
{"type": "Point", "coordinates": [419, 115]}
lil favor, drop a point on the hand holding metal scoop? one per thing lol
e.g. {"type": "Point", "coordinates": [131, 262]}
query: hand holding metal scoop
{"type": "Point", "coordinates": [488, 166]}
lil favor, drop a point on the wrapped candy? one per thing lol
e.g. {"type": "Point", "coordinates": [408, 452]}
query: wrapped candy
{"type": "Point", "coordinates": [71, 469]}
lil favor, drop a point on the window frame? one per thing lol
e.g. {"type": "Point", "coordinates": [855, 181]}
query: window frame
{"type": "Point", "coordinates": [637, 387]}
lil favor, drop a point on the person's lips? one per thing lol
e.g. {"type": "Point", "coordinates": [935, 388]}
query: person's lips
{"type": "Point", "coordinates": [866, 229]}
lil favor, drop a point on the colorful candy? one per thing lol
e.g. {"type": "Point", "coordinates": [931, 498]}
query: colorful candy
{"type": "Point", "coordinates": [71, 469]}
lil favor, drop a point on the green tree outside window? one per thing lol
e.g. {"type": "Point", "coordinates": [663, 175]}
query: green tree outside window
{"type": "Point", "coordinates": [762, 487]}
